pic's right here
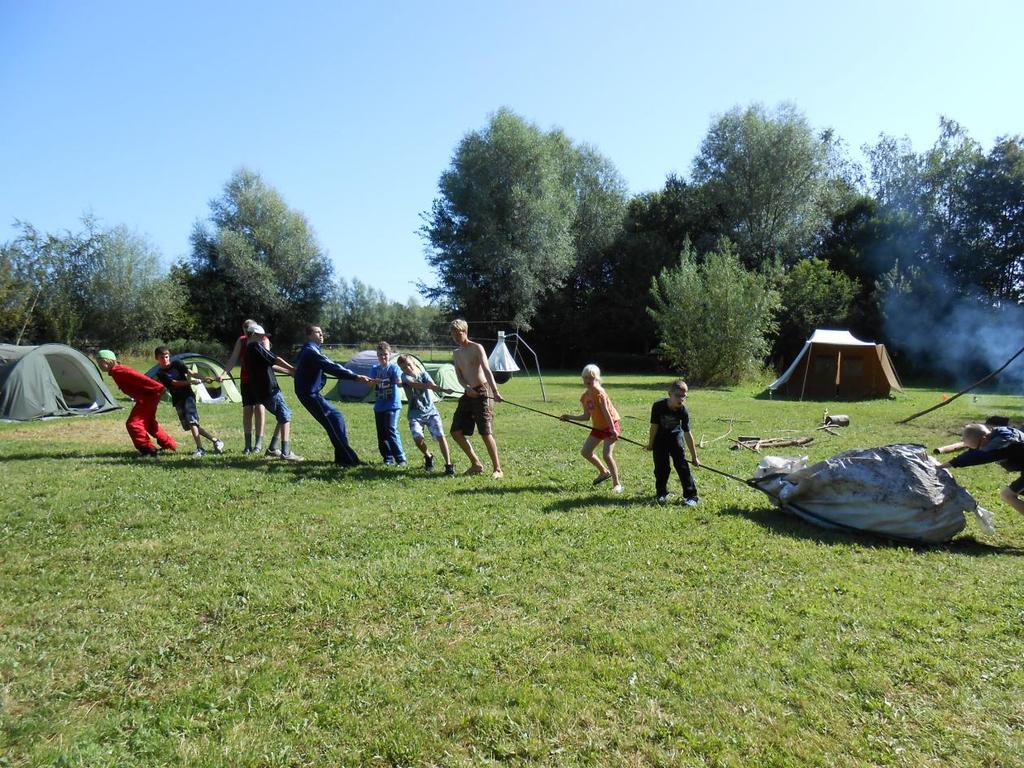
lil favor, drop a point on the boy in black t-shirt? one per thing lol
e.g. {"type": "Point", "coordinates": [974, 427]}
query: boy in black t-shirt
{"type": "Point", "coordinates": [177, 378]}
{"type": "Point", "coordinates": [670, 426]}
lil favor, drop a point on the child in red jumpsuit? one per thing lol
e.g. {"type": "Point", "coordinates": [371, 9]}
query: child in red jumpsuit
{"type": "Point", "coordinates": [146, 393]}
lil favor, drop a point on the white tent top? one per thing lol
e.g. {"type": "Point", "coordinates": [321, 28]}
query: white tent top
{"type": "Point", "coordinates": [842, 338]}
{"type": "Point", "coordinates": [820, 336]}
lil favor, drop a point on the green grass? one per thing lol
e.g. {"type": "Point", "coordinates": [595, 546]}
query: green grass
{"type": "Point", "coordinates": [237, 612]}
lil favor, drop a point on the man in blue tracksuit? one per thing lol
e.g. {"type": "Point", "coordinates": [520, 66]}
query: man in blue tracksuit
{"type": "Point", "coordinates": [310, 367]}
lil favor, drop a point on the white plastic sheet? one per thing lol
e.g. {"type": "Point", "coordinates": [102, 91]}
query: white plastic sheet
{"type": "Point", "coordinates": [894, 490]}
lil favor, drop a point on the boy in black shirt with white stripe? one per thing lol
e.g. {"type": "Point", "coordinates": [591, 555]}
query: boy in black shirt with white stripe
{"type": "Point", "coordinates": [670, 427]}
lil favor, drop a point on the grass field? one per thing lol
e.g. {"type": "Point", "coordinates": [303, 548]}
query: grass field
{"type": "Point", "coordinates": [228, 611]}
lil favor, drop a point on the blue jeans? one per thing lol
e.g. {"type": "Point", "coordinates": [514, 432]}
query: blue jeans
{"type": "Point", "coordinates": [389, 442]}
{"type": "Point", "coordinates": [275, 404]}
{"type": "Point", "coordinates": [334, 423]}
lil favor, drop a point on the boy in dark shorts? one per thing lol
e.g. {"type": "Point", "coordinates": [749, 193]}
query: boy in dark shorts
{"type": "Point", "coordinates": [252, 411]}
{"type": "Point", "coordinates": [988, 444]}
{"type": "Point", "coordinates": [670, 427]}
{"type": "Point", "coordinates": [177, 378]}
{"type": "Point", "coordinates": [261, 363]}
{"type": "Point", "coordinates": [475, 408]}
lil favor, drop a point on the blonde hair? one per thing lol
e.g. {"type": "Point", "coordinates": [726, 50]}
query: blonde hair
{"type": "Point", "coordinates": [591, 370]}
{"type": "Point", "coordinates": [459, 325]}
{"type": "Point", "coordinates": [403, 359]}
{"type": "Point", "coordinates": [974, 433]}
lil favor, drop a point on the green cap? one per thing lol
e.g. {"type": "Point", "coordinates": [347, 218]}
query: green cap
{"type": "Point", "coordinates": [106, 354]}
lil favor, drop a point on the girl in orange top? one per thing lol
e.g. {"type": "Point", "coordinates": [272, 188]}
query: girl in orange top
{"type": "Point", "coordinates": [598, 409]}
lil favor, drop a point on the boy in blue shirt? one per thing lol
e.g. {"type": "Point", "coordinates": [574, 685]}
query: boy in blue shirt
{"type": "Point", "coordinates": [387, 378]}
{"type": "Point", "coordinates": [423, 412]}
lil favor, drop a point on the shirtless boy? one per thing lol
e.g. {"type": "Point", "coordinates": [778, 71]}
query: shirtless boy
{"type": "Point", "coordinates": [476, 406]}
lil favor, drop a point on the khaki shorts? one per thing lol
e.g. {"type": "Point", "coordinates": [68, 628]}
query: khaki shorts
{"type": "Point", "coordinates": [473, 412]}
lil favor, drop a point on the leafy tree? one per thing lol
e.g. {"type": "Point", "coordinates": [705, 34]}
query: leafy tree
{"type": "Point", "coordinates": [127, 297]}
{"type": "Point", "coordinates": [569, 314]}
{"type": "Point", "coordinates": [767, 175]}
{"type": "Point", "coordinates": [609, 287]}
{"type": "Point", "coordinates": [506, 230]}
{"type": "Point", "coordinates": [713, 318]}
{"type": "Point", "coordinates": [813, 296]}
{"type": "Point", "coordinates": [896, 175]}
{"type": "Point", "coordinates": [100, 285]}
{"type": "Point", "coordinates": [17, 293]}
{"type": "Point", "coordinates": [993, 234]}
{"type": "Point", "coordinates": [864, 242]}
{"type": "Point", "coordinates": [256, 257]}
{"type": "Point", "coordinates": [359, 314]}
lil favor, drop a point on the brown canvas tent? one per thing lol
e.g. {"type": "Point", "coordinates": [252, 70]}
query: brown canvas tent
{"type": "Point", "coordinates": [835, 365]}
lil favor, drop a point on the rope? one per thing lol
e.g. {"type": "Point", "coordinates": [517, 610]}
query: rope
{"type": "Point", "coordinates": [747, 483]}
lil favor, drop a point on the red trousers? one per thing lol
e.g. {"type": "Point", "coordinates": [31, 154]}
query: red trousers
{"type": "Point", "coordinates": [142, 423]}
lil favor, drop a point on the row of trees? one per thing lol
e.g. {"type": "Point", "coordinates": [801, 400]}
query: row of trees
{"type": "Point", "coordinates": [254, 255]}
{"type": "Point", "coordinates": [774, 232]}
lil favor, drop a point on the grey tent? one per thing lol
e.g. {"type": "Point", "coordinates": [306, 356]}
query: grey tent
{"type": "Point", "coordinates": [354, 391]}
{"type": "Point", "coordinates": [49, 380]}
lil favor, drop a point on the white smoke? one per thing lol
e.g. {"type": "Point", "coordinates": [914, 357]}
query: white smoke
{"type": "Point", "coordinates": [962, 336]}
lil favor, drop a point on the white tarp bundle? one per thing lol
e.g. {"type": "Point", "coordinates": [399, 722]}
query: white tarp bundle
{"type": "Point", "coordinates": [895, 490]}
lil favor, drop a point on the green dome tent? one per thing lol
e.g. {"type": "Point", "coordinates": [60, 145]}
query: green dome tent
{"type": "Point", "coordinates": [50, 380]}
{"type": "Point", "coordinates": [444, 375]}
{"type": "Point", "coordinates": [218, 392]}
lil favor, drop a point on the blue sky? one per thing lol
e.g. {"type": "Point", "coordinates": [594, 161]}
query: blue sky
{"type": "Point", "coordinates": [139, 112]}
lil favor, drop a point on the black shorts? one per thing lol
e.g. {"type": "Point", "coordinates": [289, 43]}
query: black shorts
{"type": "Point", "coordinates": [248, 396]}
{"type": "Point", "coordinates": [1017, 486]}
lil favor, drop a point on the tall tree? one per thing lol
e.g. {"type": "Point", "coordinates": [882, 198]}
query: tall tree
{"type": "Point", "coordinates": [608, 288]}
{"type": "Point", "coordinates": [503, 234]}
{"type": "Point", "coordinates": [569, 314]}
{"type": "Point", "coordinates": [766, 174]}
{"type": "Point", "coordinates": [994, 232]}
{"type": "Point", "coordinates": [256, 258]}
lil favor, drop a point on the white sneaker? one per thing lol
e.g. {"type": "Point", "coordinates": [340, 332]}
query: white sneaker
{"type": "Point", "coordinates": [291, 457]}
{"type": "Point", "coordinates": [273, 453]}
{"type": "Point", "coordinates": [617, 488]}
{"type": "Point", "coordinates": [218, 446]}
{"type": "Point", "coordinates": [198, 452]}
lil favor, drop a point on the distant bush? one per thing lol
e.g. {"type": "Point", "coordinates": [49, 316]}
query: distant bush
{"type": "Point", "coordinates": [213, 349]}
